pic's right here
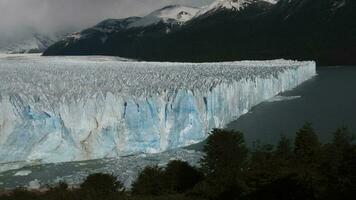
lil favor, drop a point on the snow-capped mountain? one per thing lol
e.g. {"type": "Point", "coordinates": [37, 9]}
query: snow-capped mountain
{"type": "Point", "coordinates": [169, 16]}
{"type": "Point", "coordinates": [161, 21]}
{"type": "Point", "coordinates": [227, 30]}
{"type": "Point", "coordinates": [103, 29]}
{"type": "Point", "coordinates": [100, 38]}
{"type": "Point", "coordinates": [32, 43]}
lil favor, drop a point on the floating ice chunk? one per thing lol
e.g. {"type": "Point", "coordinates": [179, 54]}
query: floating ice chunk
{"type": "Point", "coordinates": [23, 173]}
{"type": "Point", "coordinates": [283, 98]}
{"type": "Point", "coordinates": [34, 185]}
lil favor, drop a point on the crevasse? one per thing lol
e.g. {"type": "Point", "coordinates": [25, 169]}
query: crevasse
{"type": "Point", "coordinates": [65, 109]}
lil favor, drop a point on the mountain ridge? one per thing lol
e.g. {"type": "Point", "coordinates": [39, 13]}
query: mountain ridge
{"type": "Point", "coordinates": [30, 41]}
{"type": "Point", "coordinates": [321, 30]}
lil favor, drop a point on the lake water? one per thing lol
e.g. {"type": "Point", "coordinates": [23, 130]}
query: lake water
{"type": "Point", "coordinates": [328, 101]}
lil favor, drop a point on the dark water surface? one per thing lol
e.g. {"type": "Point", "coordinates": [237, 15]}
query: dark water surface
{"type": "Point", "coordinates": [328, 101]}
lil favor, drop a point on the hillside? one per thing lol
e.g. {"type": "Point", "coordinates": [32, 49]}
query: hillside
{"type": "Point", "coordinates": [321, 30]}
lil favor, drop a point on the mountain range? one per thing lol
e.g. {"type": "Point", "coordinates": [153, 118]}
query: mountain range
{"type": "Point", "coordinates": [321, 30]}
{"type": "Point", "coordinates": [27, 39]}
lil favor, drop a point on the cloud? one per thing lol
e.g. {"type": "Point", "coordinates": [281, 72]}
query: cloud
{"type": "Point", "coordinates": [54, 15]}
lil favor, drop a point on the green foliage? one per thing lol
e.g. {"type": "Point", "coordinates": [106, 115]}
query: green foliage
{"type": "Point", "coordinates": [347, 175]}
{"type": "Point", "coordinates": [263, 167]}
{"type": "Point", "coordinates": [284, 148]}
{"type": "Point", "coordinates": [177, 177]}
{"type": "Point", "coordinates": [220, 187]}
{"type": "Point", "coordinates": [180, 177]}
{"type": "Point", "coordinates": [339, 164]}
{"type": "Point", "coordinates": [286, 187]}
{"type": "Point", "coordinates": [225, 151]}
{"type": "Point", "coordinates": [149, 182]}
{"type": "Point", "coordinates": [307, 149]}
{"type": "Point", "coordinates": [342, 139]}
{"type": "Point", "coordinates": [223, 164]}
{"type": "Point", "coordinates": [306, 144]}
{"type": "Point", "coordinates": [101, 185]}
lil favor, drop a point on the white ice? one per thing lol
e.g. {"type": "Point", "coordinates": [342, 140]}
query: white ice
{"type": "Point", "coordinates": [23, 173]}
{"type": "Point", "coordinates": [283, 98]}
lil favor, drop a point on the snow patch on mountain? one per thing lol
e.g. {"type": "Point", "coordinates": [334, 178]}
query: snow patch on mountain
{"type": "Point", "coordinates": [235, 5]}
{"type": "Point", "coordinates": [173, 13]}
{"type": "Point", "coordinates": [75, 36]}
{"type": "Point", "coordinates": [224, 4]}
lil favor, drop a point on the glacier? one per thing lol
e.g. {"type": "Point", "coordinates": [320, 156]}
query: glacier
{"type": "Point", "coordinates": [60, 109]}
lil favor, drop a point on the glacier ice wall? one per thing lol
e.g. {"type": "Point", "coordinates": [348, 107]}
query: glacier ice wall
{"type": "Point", "coordinates": [76, 108]}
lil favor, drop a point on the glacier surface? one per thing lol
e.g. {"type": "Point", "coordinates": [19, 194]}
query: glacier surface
{"type": "Point", "coordinates": [59, 109]}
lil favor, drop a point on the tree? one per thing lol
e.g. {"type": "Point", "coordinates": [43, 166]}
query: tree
{"type": "Point", "coordinates": [225, 152]}
{"type": "Point", "coordinates": [335, 152]}
{"type": "Point", "coordinates": [101, 185]}
{"type": "Point", "coordinates": [59, 192]}
{"type": "Point", "coordinates": [338, 165]}
{"type": "Point", "coordinates": [306, 145]}
{"type": "Point", "coordinates": [307, 152]}
{"type": "Point", "coordinates": [180, 176]}
{"type": "Point", "coordinates": [149, 182]}
{"type": "Point", "coordinates": [347, 175]}
{"type": "Point", "coordinates": [262, 166]}
{"type": "Point", "coordinates": [284, 148]}
{"type": "Point", "coordinates": [342, 139]}
{"type": "Point", "coordinates": [224, 163]}
{"type": "Point", "coordinates": [280, 189]}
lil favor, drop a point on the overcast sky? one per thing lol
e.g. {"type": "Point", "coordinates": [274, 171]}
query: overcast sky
{"type": "Point", "coordinates": [52, 15]}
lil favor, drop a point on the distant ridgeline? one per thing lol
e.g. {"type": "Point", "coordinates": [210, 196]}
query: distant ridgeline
{"type": "Point", "coordinates": [321, 30]}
